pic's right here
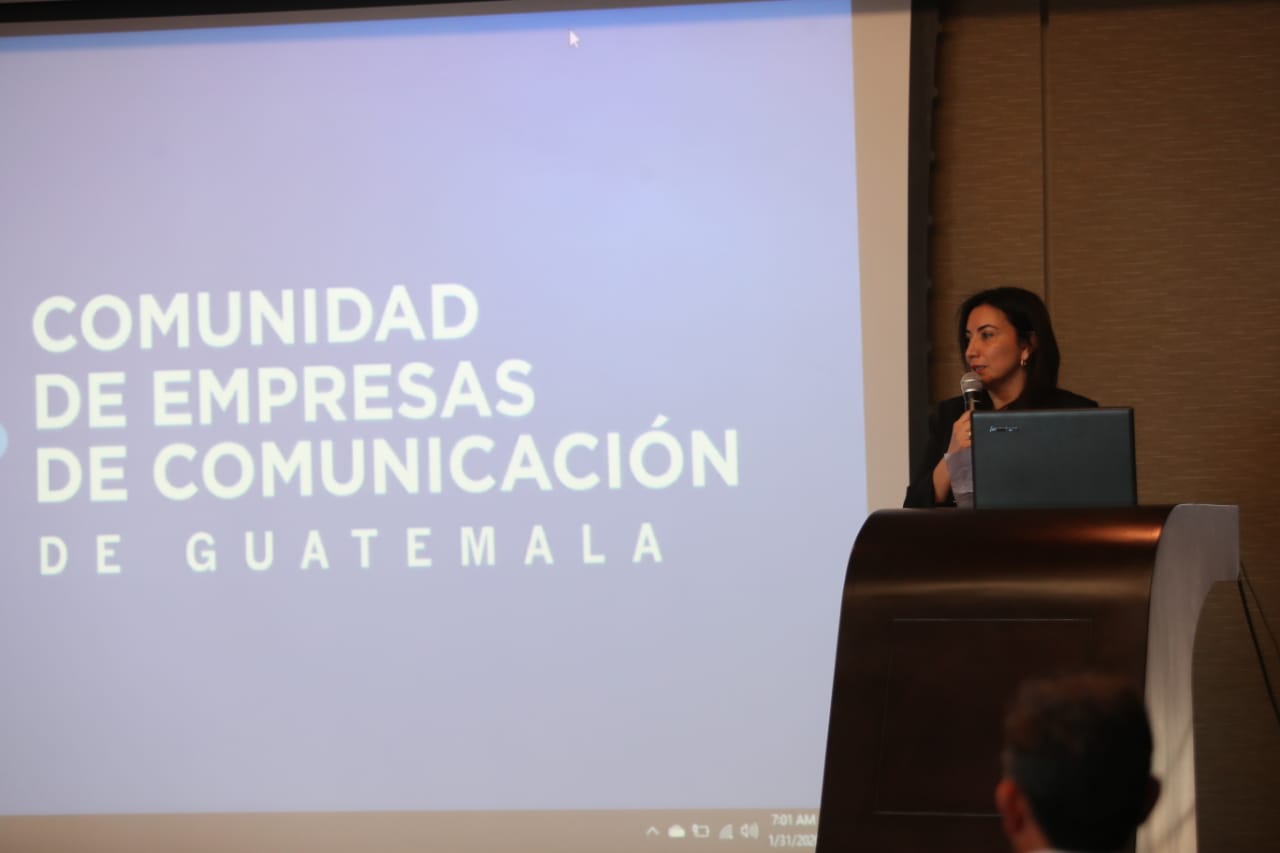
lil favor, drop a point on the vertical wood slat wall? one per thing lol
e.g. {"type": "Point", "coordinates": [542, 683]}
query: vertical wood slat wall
{"type": "Point", "coordinates": [1122, 159]}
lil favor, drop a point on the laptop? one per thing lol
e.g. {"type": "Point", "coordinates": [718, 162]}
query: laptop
{"type": "Point", "coordinates": [1054, 458]}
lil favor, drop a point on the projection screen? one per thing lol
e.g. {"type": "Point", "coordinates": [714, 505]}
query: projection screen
{"type": "Point", "coordinates": [442, 427]}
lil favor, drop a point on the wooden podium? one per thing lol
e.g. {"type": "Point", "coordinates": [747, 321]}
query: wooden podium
{"type": "Point", "coordinates": [946, 611]}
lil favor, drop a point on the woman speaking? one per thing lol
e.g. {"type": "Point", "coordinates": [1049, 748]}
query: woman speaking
{"type": "Point", "coordinates": [1005, 337]}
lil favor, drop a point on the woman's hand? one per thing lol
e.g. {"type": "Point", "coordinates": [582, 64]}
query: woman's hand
{"type": "Point", "coordinates": [961, 433]}
{"type": "Point", "coordinates": [961, 437]}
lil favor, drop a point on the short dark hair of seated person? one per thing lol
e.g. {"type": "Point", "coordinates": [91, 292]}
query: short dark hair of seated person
{"type": "Point", "coordinates": [1077, 765]}
{"type": "Point", "coordinates": [1004, 334]}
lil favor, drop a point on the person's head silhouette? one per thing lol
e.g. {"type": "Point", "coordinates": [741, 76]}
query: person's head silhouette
{"type": "Point", "coordinates": [1077, 765]}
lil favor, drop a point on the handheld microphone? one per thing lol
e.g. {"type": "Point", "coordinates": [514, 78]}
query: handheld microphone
{"type": "Point", "coordinates": [972, 388]}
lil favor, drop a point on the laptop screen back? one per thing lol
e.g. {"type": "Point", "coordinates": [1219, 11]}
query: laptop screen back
{"type": "Point", "coordinates": [1054, 458]}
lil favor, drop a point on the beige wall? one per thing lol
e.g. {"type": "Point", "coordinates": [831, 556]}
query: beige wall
{"type": "Point", "coordinates": [1123, 160]}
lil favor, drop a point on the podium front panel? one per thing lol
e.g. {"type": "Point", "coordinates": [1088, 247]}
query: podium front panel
{"type": "Point", "coordinates": [944, 613]}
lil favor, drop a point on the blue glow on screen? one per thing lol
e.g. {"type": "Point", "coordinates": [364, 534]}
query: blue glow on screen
{"type": "Point", "coordinates": [656, 228]}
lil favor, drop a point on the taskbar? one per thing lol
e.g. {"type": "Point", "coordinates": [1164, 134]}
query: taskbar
{"type": "Point", "coordinates": [586, 831]}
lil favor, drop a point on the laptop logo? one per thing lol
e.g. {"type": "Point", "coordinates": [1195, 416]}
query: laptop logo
{"type": "Point", "coordinates": [996, 428]}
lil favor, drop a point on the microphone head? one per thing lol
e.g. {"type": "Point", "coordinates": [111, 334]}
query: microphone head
{"type": "Point", "coordinates": [971, 383]}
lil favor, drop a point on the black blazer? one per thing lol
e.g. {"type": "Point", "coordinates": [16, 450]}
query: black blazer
{"type": "Point", "coordinates": [920, 492]}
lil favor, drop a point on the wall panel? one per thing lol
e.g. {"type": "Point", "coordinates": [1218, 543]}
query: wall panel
{"type": "Point", "coordinates": [1164, 176]}
{"type": "Point", "coordinates": [988, 209]}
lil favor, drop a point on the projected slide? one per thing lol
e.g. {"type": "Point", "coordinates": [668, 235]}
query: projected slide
{"type": "Point", "coordinates": [448, 413]}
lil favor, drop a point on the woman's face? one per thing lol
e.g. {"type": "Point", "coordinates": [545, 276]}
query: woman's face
{"type": "Point", "coordinates": [994, 351]}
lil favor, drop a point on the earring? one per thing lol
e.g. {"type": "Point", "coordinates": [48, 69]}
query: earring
{"type": "Point", "coordinates": [1024, 362]}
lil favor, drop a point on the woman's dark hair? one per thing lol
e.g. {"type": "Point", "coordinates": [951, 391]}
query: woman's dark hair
{"type": "Point", "coordinates": [1027, 314]}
